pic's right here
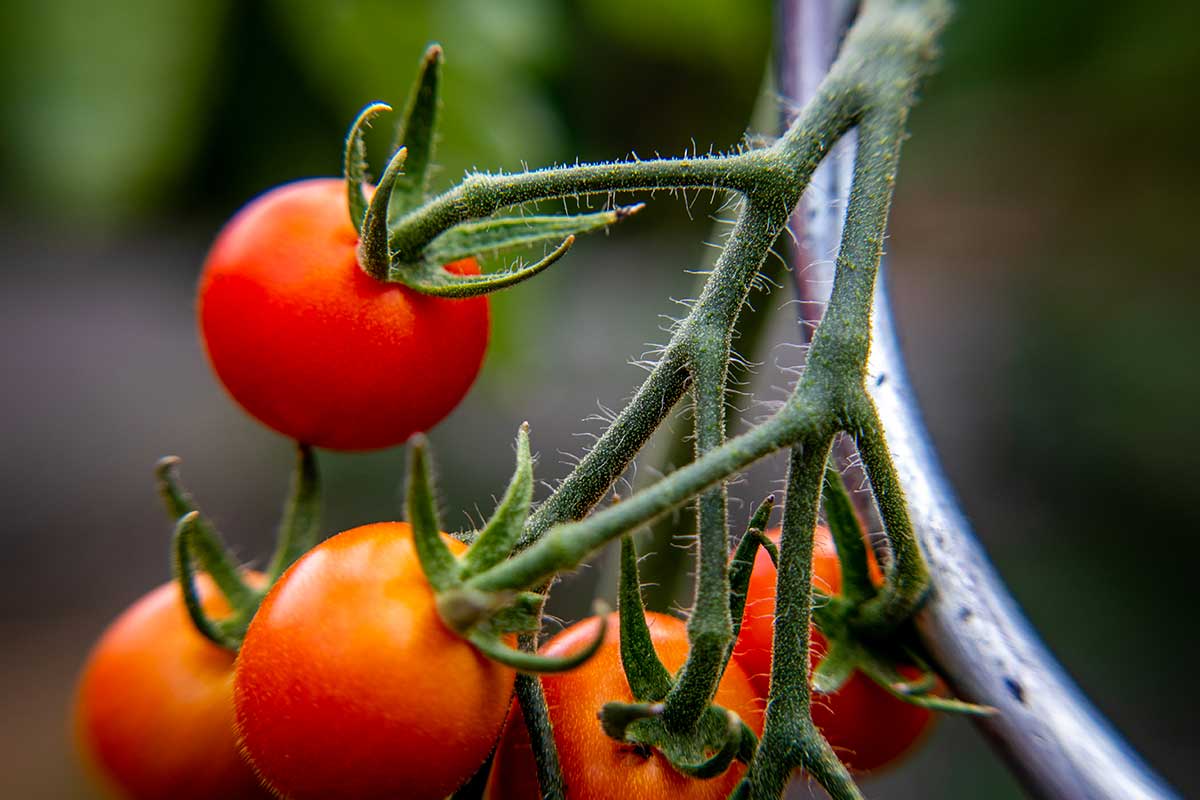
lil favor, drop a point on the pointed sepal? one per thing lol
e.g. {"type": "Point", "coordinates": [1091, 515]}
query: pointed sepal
{"type": "Point", "coordinates": [439, 564]}
{"type": "Point", "coordinates": [847, 538]}
{"type": "Point", "coordinates": [300, 525]}
{"type": "Point", "coordinates": [374, 254]}
{"type": "Point", "coordinates": [204, 541]}
{"type": "Point", "coordinates": [225, 633]}
{"type": "Point", "coordinates": [507, 523]}
{"type": "Point", "coordinates": [835, 668]}
{"type": "Point", "coordinates": [177, 500]}
{"type": "Point", "coordinates": [432, 278]}
{"type": "Point", "coordinates": [354, 164]}
{"type": "Point", "coordinates": [491, 235]}
{"type": "Point", "coordinates": [491, 646]}
{"type": "Point", "coordinates": [429, 275]}
{"type": "Point", "coordinates": [648, 678]}
{"type": "Point", "coordinates": [919, 691]}
{"type": "Point", "coordinates": [741, 566]}
{"type": "Point", "coordinates": [417, 131]}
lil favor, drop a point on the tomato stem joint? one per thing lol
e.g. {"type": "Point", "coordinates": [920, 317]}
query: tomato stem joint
{"type": "Point", "coordinates": [198, 547]}
{"type": "Point", "coordinates": [485, 618]}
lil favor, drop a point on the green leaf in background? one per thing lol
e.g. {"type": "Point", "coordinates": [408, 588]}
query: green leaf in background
{"type": "Point", "coordinates": [97, 121]}
{"type": "Point", "coordinates": [494, 111]}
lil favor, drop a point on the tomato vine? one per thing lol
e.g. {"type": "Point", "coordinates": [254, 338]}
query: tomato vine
{"type": "Point", "coordinates": [487, 589]}
{"type": "Point", "coordinates": [870, 89]}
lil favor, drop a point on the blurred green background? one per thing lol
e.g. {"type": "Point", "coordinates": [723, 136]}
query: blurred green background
{"type": "Point", "coordinates": [1042, 251]}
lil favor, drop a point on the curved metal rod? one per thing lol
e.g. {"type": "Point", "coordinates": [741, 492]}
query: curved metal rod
{"type": "Point", "coordinates": [1057, 743]}
{"type": "Point", "coordinates": [1051, 735]}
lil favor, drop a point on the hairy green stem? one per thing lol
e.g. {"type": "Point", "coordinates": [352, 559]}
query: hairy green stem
{"type": "Point", "coordinates": [482, 195]}
{"type": "Point", "coordinates": [541, 735]}
{"type": "Point", "coordinates": [831, 388]}
{"type": "Point", "coordinates": [565, 546]}
{"type": "Point", "coordinates": [871, 86]}
{"type": "Point", "coordinates": [599, 469]}
{"type": "Point", "coordinates": [837, 361]}
{"type": "Point", "coordinates": [300, 526]}
{"type": "Point", "coordinates": [710, 626]}
{"type": "Point", "coordinates": [790, 695]}
{"type": "Point", "coordinates": [907, 575]}
{"type": "Point", "coordinates": [790, 739]}
{"type": "Point", "coordinates": [781, 173]}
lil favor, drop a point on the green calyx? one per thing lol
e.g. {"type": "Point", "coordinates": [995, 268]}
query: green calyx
{"type": "Point", "coordinates": [197, 547]}
{"type": "Point", "coordinates": [880, 658]}
{"type": "Point", "coordinates": [403, 187]}
{"type": "Point", "coordinates": [485, 618]}
{"type": "Point", "coordinates": [882, 662]}
{"type": "Point", "coordinates": [416, 131]}
{"type": "Point", "coordinates": [710, 739]}
{"type": "Point", "coordinates": [354, 164]}
{"type": "Point", "coordinates": [704, 751]}
{"type": "Point", "coordinates": [741, 566]}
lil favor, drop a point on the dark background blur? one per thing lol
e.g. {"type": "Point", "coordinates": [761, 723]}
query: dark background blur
{"type": "Point", "coordinates": [1042, 252]}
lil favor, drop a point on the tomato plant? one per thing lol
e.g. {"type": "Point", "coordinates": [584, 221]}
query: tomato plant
{"type": "Point", "coordinates": [348, 683]}
{"type": "Point", "coordinates": [867, 727]}
{"type": "Point", "coordinates": [594, 765]}
{"type": "Point", "coordinates": [154, 711]}
{"type": "Point", "coordinates": [315, 348]}
{"type": "Point", "coordinates": [381, 665]}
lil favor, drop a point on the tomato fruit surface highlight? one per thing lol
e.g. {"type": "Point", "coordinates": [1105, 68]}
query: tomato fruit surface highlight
{"type": "Point", "coordinates": [596, 767]}
{"type": "Point", "coordinates": [154, 709]}
{"type": "Point", "coordinates": [348, 683]}
{"type": "Point", "coordinates": [867, 727]}
{"type": "Point", "coordinates": [316, 349]}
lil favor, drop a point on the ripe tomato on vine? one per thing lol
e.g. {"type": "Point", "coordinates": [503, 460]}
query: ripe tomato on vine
{"type": "Point", "coordinates": [315, 348]}
{"type": "Point", "coordinates": [349, 684]}
{"type": "Point", "coordinates": [594, 765]}
{"type": "Point", "coordinates": [154, 708]}
{"type": "Point", "coordinates": [867, 727]}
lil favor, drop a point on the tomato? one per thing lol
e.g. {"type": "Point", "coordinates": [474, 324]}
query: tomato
{"type": "Point", "coordinates": [348, 684]}
{"type": "Point", "coordinates": [154, 710]}
{"type": "Point", "coordinates": [595, 766]}
{"type": "Point", "coordinates": [315, 348]}
{"type": "Point", "coordinates": [867, 727]}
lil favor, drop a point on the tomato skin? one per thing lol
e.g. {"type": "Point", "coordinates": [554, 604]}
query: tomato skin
{"type": "Point", "coordinates": [348, 684]}
{"type": "Point", "coordinates": [154, 710]}
{"type": "Point", "coordinates": [594, 766]}
{"type": "Point", "coordinates": [867, 727]}
{"type": "Point", "coordinates": [316, 349]}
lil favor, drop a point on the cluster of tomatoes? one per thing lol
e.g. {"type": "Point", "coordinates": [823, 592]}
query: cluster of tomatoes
{"type": "Point", "coordinates": [347, 682]}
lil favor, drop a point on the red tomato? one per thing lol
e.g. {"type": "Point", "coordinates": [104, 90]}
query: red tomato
{"type": "Point", "coordinates": [349, 685]}
{"type": "Point", "coordinates": [594, 766]}
{"type": "Point", "coordinates": [154, 713]}
{"type": "Point", "coordinates": [867, 727]}
{"type": "Point", "coordinates": [315, 348]}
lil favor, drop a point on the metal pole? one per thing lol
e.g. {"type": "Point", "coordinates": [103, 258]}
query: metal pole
{"type": "Point", "coordinates": [1053, 738]}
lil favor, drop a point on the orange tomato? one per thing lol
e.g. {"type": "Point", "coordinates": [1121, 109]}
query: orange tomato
{"type": "Point", "coordinates": [349, 684]}
{"type": "Point", "coordinates": [867, 727]}
{"type": "Point", "coordinates": [316, 349]}
{"type": "Point", "coordinates": [154, 711]}
{"type": "Point", "coordinates": [596, 767]}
